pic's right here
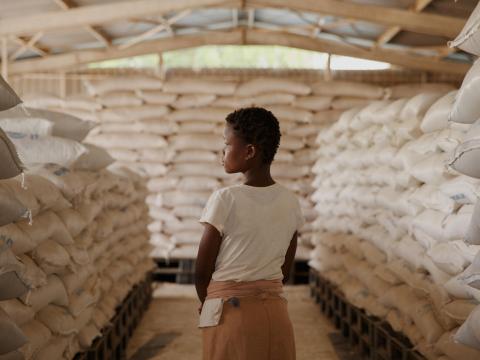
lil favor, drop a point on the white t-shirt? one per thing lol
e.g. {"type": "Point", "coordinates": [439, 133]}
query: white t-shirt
{"type": "Point", "coordinates": [257, 225]}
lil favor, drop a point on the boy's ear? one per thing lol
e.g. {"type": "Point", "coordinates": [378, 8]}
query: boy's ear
{"type": "Point", "coordinates": [251, 151]}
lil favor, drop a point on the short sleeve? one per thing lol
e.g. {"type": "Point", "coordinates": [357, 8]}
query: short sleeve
{"type": "Point", "coordinates": [300, 220]}
{"type": "Point", "coordinates": [216, 211]}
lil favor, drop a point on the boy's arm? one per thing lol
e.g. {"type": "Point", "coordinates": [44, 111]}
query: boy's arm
{"type": "Point", "coordinates": [289, 258]}
{"type": "Point", "coordinates": [206, 258]}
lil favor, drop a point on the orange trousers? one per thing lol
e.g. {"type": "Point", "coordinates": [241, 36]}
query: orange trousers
{"type": "Point", "coordinates": [254, 325]}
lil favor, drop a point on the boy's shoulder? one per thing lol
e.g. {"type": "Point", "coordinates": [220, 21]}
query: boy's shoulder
{"type": "Point", "coordinates": [238, 188]}
{"type": "Point", "coordinates": [228, 189]}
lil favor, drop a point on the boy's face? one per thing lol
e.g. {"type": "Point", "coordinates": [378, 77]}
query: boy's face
{"type": "Point", "coordinates": [236, 152]}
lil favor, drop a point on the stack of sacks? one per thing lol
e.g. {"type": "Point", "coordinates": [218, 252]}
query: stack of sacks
{"type": "Point", "coordinates": [465, 160]}
{"type": "Point", "coordinates": [14, 279]}
{"type": "Point", "coordinates": [166, 137]}
{"type": "Point", "coordinates": [70, 283]}
{"type": "Point", "coordinates": [172, 134]}
{"type": "Point", "coordinates": [393, 217]}
{"type": "Point", "coordinates": [73, 280]}
{"type": "Point", "coordinates": [328, 100]}
{"type": "Point", "coordinates": [44, 136]}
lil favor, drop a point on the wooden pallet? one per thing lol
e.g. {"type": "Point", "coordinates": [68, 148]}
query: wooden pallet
{"type": "Point", "coordinates": [182, 271]}
{"type": "Point", "coordinates": [371, 338]}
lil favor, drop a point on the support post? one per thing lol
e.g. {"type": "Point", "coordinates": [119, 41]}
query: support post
{"type": "Point", "coordinates": [328, 69]}
{"type": "Point", "coordinates": [160, 69]}
{"type": "Point", "coordinates": [4, 58]}
{"type": "Point", "coordinates": [63, 85]}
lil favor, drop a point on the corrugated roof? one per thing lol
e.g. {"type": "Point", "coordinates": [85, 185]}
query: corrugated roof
{"type": "Point", "coordinates": [36, 43]}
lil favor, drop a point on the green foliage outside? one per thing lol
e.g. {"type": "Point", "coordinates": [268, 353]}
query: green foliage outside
{"type": "Point", "coordinates": [234, 56]}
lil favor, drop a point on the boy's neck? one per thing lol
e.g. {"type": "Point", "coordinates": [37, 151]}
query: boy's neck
{"type": "Point", "coordinates": [260, 176]}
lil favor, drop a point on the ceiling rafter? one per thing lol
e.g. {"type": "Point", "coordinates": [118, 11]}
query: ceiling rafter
{"type": "Point", "coordinates": [100, 14]}
{"type": "Point", "coordinates": [393, 31]}
{"type": "Point", "coordinates": [235, 17]}
{"type": "Point", "coordinates": [237, 37]}
{"type": "Point", "coordinates": [164, 25]}
{"type": "Point", "coordinates": [28, 44]}
{"type": "Point", "coordinates": [251, 18]}
{"type": "Point", "coordinates": [78, 58]}
{"type": "Point", "coordinates": [94, 31]}
{"type": "Point", "coordinates": [331, 14]}
{"type": "Point", "coordinates": [395, 57]}
{"type": "Point", "coordinates": [430, 24]}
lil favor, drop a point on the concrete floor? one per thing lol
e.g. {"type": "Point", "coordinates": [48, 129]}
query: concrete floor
{"type": "Point", "coordinates": [169, 328]}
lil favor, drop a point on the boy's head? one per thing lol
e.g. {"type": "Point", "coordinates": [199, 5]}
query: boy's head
{"type": "Point", "coordinates": [252, 136]}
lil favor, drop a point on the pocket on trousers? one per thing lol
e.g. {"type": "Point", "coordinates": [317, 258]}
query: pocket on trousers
{"type": "Point", "coordinates": [211, 313]}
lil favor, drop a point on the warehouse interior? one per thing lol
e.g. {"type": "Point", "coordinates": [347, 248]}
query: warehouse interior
{"type": "Point", "coordinates": [108, 165]}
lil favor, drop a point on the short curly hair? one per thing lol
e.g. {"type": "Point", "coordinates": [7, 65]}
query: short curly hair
{"type": "Point", "coordinates": [259, 127]}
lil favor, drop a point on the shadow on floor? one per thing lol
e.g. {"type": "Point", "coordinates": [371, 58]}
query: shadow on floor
{"type": "Point", "coordinates": [342, 347]}
{"type": "Point", "coordinates": [154, 346]}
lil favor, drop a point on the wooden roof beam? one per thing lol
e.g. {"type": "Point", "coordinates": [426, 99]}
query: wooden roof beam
{"type": "Point", "coordinates": [28, 44]}
{"type": "Point", "coordinates": [251, 18]}
{"type": "Point", "coordinates": [95, 32]}
{"type": "Point", "coordinates": [237, 37]}
{"type": "Point", "coordinates": [99, 14]}
{"type": "Point", "coordinates": [393, 31]}
{"type": "Point", "coordinates": [164, 25]}
{"type": "Point", "coordinates": [394, 57]}
{"type": "Point", "coordinates": [79, 58]}
{"type": "Point", "coordinates": [431, 24]}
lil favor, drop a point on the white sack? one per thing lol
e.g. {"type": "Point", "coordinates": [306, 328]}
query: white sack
{"type": "Point", "coordinates": [465, 109]}
{"type": "Point", "coordinates": [11, 163]}
{"type": "Point", "coordinates": [199, 86]}
{"type": "Point", "coordinates": [38, 336]}
{"type": "Point", "coordinates": [469, 333]}
{"type": "Point", "coordinates": [120, 99]}
{"type": "Point", "coordinates": [157, 97]}
{"type": "Point", "coordinates": [266, 85]}
{"type": "Point", "coordinates": [208, 114]}
{"type": "Point", "coordinates": [196, 142]}
{"type": "Point", "coordinates": [417, 106]}
{"type": "Point", "coordinates": [436, 117]}
{"type": "Point", "coordinates": [127, 114]}
{"type": "Point", "coordinates": [64, 125]}
{"type": "Point", "coordinates": [11, 209]}
{"type": "Point", "coordinates": [195, 127]}
{"type": "Point", "coordinates": [471, 276]}
{"type": "Point", "coordinates": [127, 141]}
{"type": "Point", "coordinates": [81, 102]}
{"type": "Point", "coordinates": [94, 159]}
{"type": "Point", "coordinates": [193, 101]}
{"type": "Point", "coordinates": [8, 96]}
{"type": "Point", "coordinates": [347, 102]}
{"type": "Point", "coordinates": [462, 189]}
{"type": "Point", "coordinates": [11, 335]}
{"type": "Point", "coordinates": [290, 113]}
{"type": "Point", "coordinates": [411, 90]}
{"type": "Point", "coordinates": [345, 88]}
{"type": "Point", "coordinates": [469, 38]}
{"type": "Point", "coordinates": [21, 314]}
{"type": "Point", "coordinates": [48, 149]}
{"type": "Point", "coordinates": [465, 158]}
{"type": "Point", "coordinates": [313, 103]}
{"type": "Point", "coordinates": [10, 121]}
{"type": "Point", "coordinates": [52, 293]}
{"type": "Point", "coordinates": [98, 87]}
